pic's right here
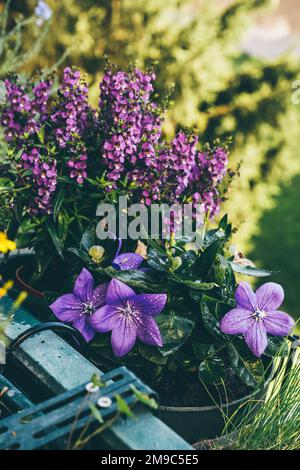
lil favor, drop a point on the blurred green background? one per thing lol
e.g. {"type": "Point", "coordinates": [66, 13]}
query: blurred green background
{"type": "Point", "coordinates": [222, 85]}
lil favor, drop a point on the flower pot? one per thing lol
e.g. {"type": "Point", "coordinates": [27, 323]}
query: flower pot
{"type": "Point", "coordinates": [23, 284]}
{"type": "Point", "coordinates": [207, 422]}
{"type": "Point", "coordinates": [17, 268]}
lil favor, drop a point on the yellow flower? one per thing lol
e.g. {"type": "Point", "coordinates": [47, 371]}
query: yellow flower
{"type": "Point", "coordinates": [5, 244]}
{"type": "Point", "coordinates": [5, 288]}
{"type": "Point", "coordinates": [20, 299]}
{"type": "Point", "coordinates": [3, 292]}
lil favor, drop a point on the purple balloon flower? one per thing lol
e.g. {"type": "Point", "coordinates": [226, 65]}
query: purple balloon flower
{"type": "Point", "coordinates": [129, 316]}
{"type": "Point", "coordinates": [256, 315]}
{"type": "Point", "coordinates": [126, 261]}
{"type": "Point", "coordinates": [77, 308]}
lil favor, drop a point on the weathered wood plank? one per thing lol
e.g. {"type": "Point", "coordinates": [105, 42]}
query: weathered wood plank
{"type": "Point", "coordinates": [59, 367]}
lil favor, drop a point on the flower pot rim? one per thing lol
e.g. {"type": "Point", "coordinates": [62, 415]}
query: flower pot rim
{"type": "Point", "coordinates": [197, 409]}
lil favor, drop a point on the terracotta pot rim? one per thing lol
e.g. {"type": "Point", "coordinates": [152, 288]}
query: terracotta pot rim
{"type": "Point", "coordinates": [22, 283]}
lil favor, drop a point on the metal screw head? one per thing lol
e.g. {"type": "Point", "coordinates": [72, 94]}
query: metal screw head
{"type": "Point", "coordinates": [91, 388]}
{"type": "Point", "coordinates": [104, 402]}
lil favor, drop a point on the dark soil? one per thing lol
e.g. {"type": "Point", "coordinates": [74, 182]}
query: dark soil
{"type": "Point", "coordinates": [185, 389]}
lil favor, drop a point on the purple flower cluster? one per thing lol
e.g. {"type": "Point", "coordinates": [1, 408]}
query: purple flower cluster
{"type": "Point", "coordinates": [23, 114]}
{"type": "Point", "coordinates": [134, 152]}
{"type": "Point", "coordinates": [45, 178]}
{"type": "Point", "coordinates": [71, 119]}
{"type": "Point", "coordinates": [22, 117]}
{"type": "Point", "coordinates": [131, 125]}
{"type": "Point", "coordinates": [65, 136]}
{"type": "Point", "coordinates": [208, 173]}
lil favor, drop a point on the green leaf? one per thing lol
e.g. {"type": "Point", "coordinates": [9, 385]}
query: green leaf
{"type": "Point", "coordinates": [223, 222]}
{"type": "Point", "coordinates": [250, 372]}
{"type": "Point", "coordinates": [157, 261]}
{"type": "Point", "coordinates": [137, 278]}
{"type": "Point", "coordinates": [41, 134]}
{"type": "Point", "coordinates": [55, 239]}
{"type": "Point", "coordinates": [58, 203]}
{"type": "Point", "coordinates": [96, 381]}
{"type": "Point", "coordinates": [247, 270]}
{"type": "Point", "coordinates": [152, 354]}
{"type": "Point", "coordinates": [50, 297]}
{"type": "Point", "coordinates": [96, 413]}
{"type": "Point", "coordinates": [251, 271]}
{"type": "Point", "coordinates": [63, 226]}
{"type": "Point", "coordinates": [144, 399]}
{"type": "Point", "coordinates": [277, 346]}
{"type": "Point", "coordinates": [123, 407]}
{"type": "Point", "coordinates": [203, 350]}
{"type": "Point", "coordinates": [197, 284]}
{"type": "Point", "coordinates": [80, 254]}
{"type": "Point", "coordinates": [156, 246]}
{"type": "Point", "coordinates": [209, 316]}
{"type": "Point", "coordinates": [212, 371]}
{"type": "Point", "coordinates": [100, 341]}
{"type": "Point", "coordinates": [175, 331]}
{"type": "Point", "coordinates": [204, 264]}
{"type": "Point", "coordinates": [89, 238]}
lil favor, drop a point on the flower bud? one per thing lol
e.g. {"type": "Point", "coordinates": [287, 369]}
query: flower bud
{"type": "Point", "coordinates": [176, 263]}
{"type": "Point", "coordinates": [96, 252]}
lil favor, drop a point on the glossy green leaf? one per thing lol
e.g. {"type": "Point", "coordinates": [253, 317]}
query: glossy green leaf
{"type": "Point", "coordinates": [175, 331]}
{"type": "Point", "coordinates": [89, 238]}
{"type": "Point", "coordinates": [204, 264]}
{"type": "Point", "coordinates": [210, 320]}
{"type": "Point", "coordinates": [157, 260]}
{"type": "Point", "coordinates": [277, 346]}
{"type": "Point", "coordinates": [250, 372]}
{"type": "Point", "coordinates": [203, 350]}
{"type": "Point", "coordinates": [212, 371]}
{"type": "Point", "coordinates": [50, 297]}
{"type": "Point", "coordinates": [152, 354]}
{"type": "Point", "coordinates": [137, 278]}
{"type": "Point", "coordinates": [249, 271]}
{"type": "Point", "coordinates": [223, 222]}
{"type": "Point", "coordinates": [58, 203]}
{"type": "Point", "coordinates": [55, 239]}
{"type": "Point", "coordinates": [197, 284]}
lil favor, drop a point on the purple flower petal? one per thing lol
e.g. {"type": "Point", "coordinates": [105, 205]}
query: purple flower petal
{"type": "Point", "coordinates": [66, 308]}
{"type": "Point", "coordinates": [245, 297]}
{"type": "Point", "coordinates": [85, 329]}
{"type": "Point", "coordinates": [150, 304]}
{"type": "Point", "coordinates": [148, 332]}
{"type": "Point", "coordinates": [256, 338]}
{"type": "Point", "coordinates": [128, 261]}
{"type": "Point", "coordinates": [117, 292]}
{"type": "Point", "coordinates": [236, 321]}
{"type": "Point", "coordinates": [84, 285]}
{"type": "Point", "coordinates": [123, 338]}
{"type": "Point", "coordinates": [98, 295]}
{"type": "Point", "coordinates": [278, 323]}
{"type": "Point", "coordinates": [269, 296]}
{"type": "Point", "coordinates": [105, 319]}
